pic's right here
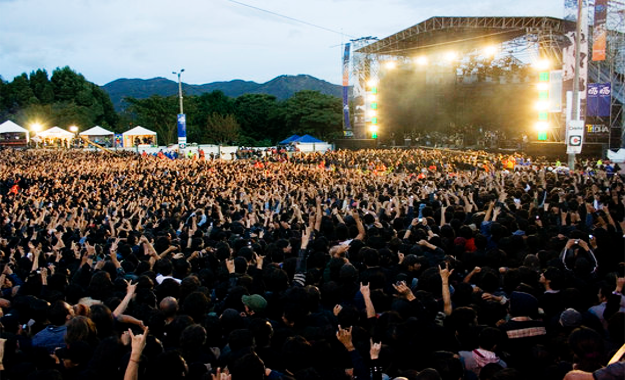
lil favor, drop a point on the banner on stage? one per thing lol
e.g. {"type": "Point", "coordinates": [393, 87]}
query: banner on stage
{"type": "Point", "coordinates": [346, 124]}
{"type": "Point", "coordinates": [600, 32]}
{"type": "Point", "coordinates": [599, 99]}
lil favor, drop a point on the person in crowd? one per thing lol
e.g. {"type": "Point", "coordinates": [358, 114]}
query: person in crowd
{"type": "Point", "coordinates": [416, 264]}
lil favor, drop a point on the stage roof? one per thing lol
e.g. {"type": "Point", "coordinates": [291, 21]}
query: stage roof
{"type": "Point", "coordinates": [461, 33]}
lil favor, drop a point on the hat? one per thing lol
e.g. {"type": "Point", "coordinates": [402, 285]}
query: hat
{"type": "Point", "coordinates": [570, 318]}
{"type": "Point", "coordinates": [255, 302]}
{"type": "Point", "coordinates": [523, 304]}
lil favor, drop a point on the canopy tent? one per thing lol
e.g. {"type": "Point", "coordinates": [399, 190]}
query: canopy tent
{"type": "Point", "coordinates": [11, 134]}
{"type": "Point", "coordinates": [55, 136]}
{"type": "Point", "coordinates": [96, 131]}
{"type": "Point", "coordinates": [99, 136]}
{"type": "Point", "coordinates": [307, 139]}
{"type": "Point", "coordinates": [139, 136]}
{"type": "Point", "coordinates": [56, 133]}
{"type": "Point", "coordinates": [10, 127]}
{"type": "Point", "coordinates": [289, 140]}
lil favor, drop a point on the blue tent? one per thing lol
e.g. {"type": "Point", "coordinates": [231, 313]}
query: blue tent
{"type": "Point", "coordinates": [289, 140]}
{"type": "Point", "coordinates": [307, 139]}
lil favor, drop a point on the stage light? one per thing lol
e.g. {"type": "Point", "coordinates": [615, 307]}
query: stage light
{"type": "Point", "coordinates": [372, 97]}
{"type": "Point", "coordinates": [542, 64]}
{"type": "Point", "coordinates": [542, 105]}
{"type": "Point", "coordinates": [450, 56]}
{"type": "Point", "coordinates": [372, 82]}
{"type": "Point", "coordinates": [422, 60]}
{"type": "Point", "coordinates": [373, 129]}
{"type": "Point", "coordinates": [542, 86]}
{"type": "Point", "coordinates": [372, 113]}
{"type": "Point", "coordinates": [390, 65]}
{"type": "Point", "coordinates": [541, 126]}
{"type": "Point", "coordinates": [490, 51]}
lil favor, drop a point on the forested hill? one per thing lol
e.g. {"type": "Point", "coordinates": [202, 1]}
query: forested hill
{"type": "Point", "coordinates": [282, 87]}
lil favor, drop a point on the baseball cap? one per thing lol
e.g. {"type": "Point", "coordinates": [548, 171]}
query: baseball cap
{"type": "Point", "coordinates": [255, 302]}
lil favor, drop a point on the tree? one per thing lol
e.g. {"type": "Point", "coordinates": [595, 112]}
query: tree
{"type": "Point", "coordinates": [20, 92]}
{"type": "Point", "coordinates": [66, 84]}
{"type": "Point", "coordinates": [41, 86]}
{"type": "Point", "coordinates": [311, 112]}
{"type": "Point", "coordinates": [4, 98]}
{"type": "Point", "coordinates": [156, 112]}
{"type": "Point", "coordinates": [222, 129]}
{"type": "Point", "coordinates": [259, 116]}
{"type": "Point", "coordinates": [108, 117]}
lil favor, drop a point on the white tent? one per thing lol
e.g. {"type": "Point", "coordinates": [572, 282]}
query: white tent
{"type": "Point", "coordinates": [10, 127]}
{"type": "Point", "coordinates": [56, 133]}
{"type": "Point", "coordinates": [96, 131]}
{"type": "Point", "coordinates": [140, 133]}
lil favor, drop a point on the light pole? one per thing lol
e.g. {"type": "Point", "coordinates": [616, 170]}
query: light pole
{"type": "Point", "coordinates": [182, 120]}
{"type": "Point", "coordinates": [575, 111]}
{"type": "Point", "coordinates": [179, 88]}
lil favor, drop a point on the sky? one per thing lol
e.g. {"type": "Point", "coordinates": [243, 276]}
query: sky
{"type": "Point", "coordinates": [214, 40]}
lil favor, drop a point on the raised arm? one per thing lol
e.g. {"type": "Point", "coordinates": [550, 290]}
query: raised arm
{"type": "Point", "coordinates": [445, 273]}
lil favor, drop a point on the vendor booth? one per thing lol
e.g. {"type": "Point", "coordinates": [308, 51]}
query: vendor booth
{"type": "Point", "coordinates": [12, 134]}
{"type": "Point", "coordinates": [289, 140]}
{"type": "Point", "coordinates": [307, 143]}
{"type": "Point", "coordinates": [99, 135]}
{"type": "Point", "coordinates": [139, 136]}
{"type": "Point", "coordinates": [55, 137]}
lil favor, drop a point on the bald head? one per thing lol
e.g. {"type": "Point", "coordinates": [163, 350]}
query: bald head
{"type": "Point", "coordinates": [169, 307]}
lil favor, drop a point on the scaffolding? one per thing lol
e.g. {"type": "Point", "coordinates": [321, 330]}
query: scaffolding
{"type": "Point", "coordinates": [524, 38]}
{"type": "Point", "coordinates": [364, 68]}
{"type": "Point", "coordinates": [612, 69]}
{"type": "Point", "coordinates": [515, 36]}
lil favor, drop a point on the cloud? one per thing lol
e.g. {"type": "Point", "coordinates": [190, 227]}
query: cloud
{"type": "Point", "coordinates": [213, 40]}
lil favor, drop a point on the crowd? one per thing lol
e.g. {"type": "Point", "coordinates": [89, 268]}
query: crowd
{"type": "Point", "coordinates": [372, 264]}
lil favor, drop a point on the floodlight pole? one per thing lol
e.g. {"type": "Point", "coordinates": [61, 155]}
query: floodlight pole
{"type": "Point", "coordinates": [179, 88]}
{"type": "Point", "coordinates": [575, 98]}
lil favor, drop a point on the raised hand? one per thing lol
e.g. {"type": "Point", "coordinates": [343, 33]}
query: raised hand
{"type": "Point", "coordinates": [337, 309]}
{"type": "Point", "coordinates": [404, 290]}
{"type": "Point", "coordinates": [364, 289]}
{"type": "Point", "coordinates": [445, 273]}
{"type": "Point", "coordinates": [345, 337]}
{"type": "Point", "coordinates": [374, 349]}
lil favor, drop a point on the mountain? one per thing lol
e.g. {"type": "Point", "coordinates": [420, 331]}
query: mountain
{"type": "Point", "coordinates": [281, 87]}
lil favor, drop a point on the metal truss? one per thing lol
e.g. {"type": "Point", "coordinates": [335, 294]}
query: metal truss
{"type": "Point", "coordinates": [612, 69]}
{"type": "Point", "coordinates": [440, 32]}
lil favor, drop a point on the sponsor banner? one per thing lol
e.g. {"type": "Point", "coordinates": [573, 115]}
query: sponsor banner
{"type": "Point", "coordinates": [182, 131]}
{"type": "Point", "coordinates": [182, 125]}
{"type": "Point", "coordinates": [569, 107]}
{"type": "Point", "coordinates": [600, 32]}
{"type": "Point", "coordinates": [575, 138]}
{"type": "Point", "coordinates": [568, 52]}
{"type": "Point", "coordinates": [597, 129]}
{"type": "Point", "coordinates": [605, 99]}
{"type": "Point", "coordinates": [346, 124]}
{"type": "Point", "coordinates": [555, 91]}
{"type": "Point", "coordinates": [599, 99]}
